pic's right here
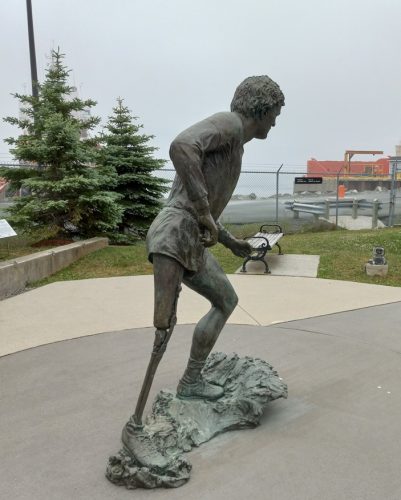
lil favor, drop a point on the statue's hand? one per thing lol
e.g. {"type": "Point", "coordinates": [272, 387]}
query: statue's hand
{"type": "Point", "coordinates": [240, 248]}
{"type": "Point", "coordinates": [209, 237]}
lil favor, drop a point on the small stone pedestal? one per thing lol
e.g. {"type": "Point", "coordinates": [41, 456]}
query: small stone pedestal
{"type": "Point", "coordinates": [376, 269]}
{"type": "Point", "coordinates": [176, 425]}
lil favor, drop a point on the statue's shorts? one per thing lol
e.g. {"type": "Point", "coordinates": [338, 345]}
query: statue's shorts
{"type": "Point", "coordinates": [175, 232]}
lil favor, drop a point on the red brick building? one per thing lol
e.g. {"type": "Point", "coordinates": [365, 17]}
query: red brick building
{"type": "Point", "coordinates": [380, 167]}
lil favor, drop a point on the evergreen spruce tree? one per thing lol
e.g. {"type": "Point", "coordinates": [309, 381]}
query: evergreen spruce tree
{"type": "Point", "coordinates": [63, 191]}
{"type": "Point", "coordinates": [128, 152]}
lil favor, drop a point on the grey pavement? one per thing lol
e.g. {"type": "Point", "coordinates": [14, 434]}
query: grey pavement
{"type": "Point", "coordinates": [336, 344]}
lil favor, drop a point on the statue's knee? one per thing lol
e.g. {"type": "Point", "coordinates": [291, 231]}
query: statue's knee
{"type": "Point", "coordinates": [234, 301]}
{"type": "Point", "coordinates": [230, 302]}
{"type": "Point", "coordinates": [161, 322]}
{"type": "Point", "coordinates": [161, 318]}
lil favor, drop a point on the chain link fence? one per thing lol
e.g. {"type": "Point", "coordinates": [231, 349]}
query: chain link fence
{"type": "Point", "coordinates": [395, 192]}
{"type": "Point", "coordinates": [296, 198]}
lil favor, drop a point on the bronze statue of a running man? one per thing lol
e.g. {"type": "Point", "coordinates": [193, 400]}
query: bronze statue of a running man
{"type": "Point", "coordinates": [207, 157]}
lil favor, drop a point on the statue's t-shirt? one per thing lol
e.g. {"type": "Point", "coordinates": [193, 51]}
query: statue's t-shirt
{"type": "Point", "coordinates": [207, 158]}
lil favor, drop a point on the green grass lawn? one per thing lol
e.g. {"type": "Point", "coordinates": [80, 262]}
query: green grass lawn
{"type": "Point", "coordinates": [342, 256]}
{"type": "Point", "coordinates": [13, 247]}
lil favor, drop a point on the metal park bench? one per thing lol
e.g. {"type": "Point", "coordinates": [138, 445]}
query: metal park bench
{"type": "Point", "coordinates": [262, 242]}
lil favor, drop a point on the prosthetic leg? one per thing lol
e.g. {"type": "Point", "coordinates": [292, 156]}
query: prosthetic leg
{"type": "Point", "coordinates": [135, 441]}
{"type": "Point", "coordinates": [168, 276]}
{"type": "Point", "coordinates": [159, 348]}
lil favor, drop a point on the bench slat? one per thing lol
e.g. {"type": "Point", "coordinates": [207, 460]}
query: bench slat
{"type": "Point", "coordinates": [256, 241]}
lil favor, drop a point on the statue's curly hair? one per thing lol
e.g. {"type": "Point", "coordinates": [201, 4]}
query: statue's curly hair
{"type": "Point", "coordinates": [256, 95]}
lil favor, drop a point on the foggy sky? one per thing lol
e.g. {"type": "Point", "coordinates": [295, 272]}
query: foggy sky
{"type": "Point", "coordinates": [177, 61]}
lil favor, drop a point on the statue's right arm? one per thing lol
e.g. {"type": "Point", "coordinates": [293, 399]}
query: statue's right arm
{"type": "Point", "coordinates": [187, 152]}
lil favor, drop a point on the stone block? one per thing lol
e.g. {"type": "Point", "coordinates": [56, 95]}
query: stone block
{"type": "Point", "coordinates": [376, 269]}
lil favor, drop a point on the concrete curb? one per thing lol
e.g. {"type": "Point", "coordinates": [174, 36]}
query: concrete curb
{"type": "Point", "coordinates": [17, 273]}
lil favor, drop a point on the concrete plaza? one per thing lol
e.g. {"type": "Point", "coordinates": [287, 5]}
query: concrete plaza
{"type": "Point", "coordinates": [74, 355]}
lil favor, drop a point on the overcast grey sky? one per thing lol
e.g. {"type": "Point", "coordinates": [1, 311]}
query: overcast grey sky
{"type": "Point", "coordinates": [178, 61]}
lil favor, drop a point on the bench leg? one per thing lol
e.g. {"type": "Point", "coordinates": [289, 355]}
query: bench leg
{"type": "Point", "coordinates": [267, 270]}
{"type": "Point", "coordinates": [279, 249]}
{"type": "Point", "coordinates": [247, 259]}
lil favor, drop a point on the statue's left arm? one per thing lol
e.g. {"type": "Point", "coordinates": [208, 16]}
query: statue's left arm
{"type": "Point", "coordinates": [240, 248]}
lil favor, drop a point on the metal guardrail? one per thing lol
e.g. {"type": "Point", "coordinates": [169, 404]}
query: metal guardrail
{"type": "Point", "coordinates": [322, 208]}
{"type": "Point", "coordinates": [311, 208]}
{"type": "Point", "coordinates": [295, 205]}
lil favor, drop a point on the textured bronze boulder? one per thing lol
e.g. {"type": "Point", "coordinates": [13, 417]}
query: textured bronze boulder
{"type": "Point", "coordinates": [177, 425]}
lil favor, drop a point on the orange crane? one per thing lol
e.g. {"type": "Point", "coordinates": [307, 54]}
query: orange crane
{"type": "Point", "coordinates": [350, 153]}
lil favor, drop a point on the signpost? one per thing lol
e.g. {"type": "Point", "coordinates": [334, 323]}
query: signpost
{"type": "Point", "coordinates": [6, 230]}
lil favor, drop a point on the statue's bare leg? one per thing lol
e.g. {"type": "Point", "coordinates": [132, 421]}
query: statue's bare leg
{"type": "Point", "coordinates": [210, 282]}
{"type": "Point", "coordinates": [167, 274]}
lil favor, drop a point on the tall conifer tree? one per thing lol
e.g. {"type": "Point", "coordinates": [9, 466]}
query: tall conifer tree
{"type": "Point", "coordinates": [63, 190]}
{"type": "Point", "coordinates": [131, 156]}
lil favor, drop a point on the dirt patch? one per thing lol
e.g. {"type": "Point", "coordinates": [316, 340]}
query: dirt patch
{"type": "Point", "coordinates": [52, 242]}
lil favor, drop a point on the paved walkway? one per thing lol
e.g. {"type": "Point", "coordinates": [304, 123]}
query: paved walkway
{"type": "Point", "coordinates": [71, 309]}
{"type": "Point", "coordinates": [336, 344]}
{"type": "Point", "coordinates": [304, 266]}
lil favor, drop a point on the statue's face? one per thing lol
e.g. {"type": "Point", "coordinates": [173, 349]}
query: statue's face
{"type": "Point", "coordinates": [267, 122]}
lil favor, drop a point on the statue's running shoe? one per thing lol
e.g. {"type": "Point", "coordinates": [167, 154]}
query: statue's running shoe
{"type": "Point", "coordinates": [200, 389]}
{"type": "Point", "coordinates": [140, 446]}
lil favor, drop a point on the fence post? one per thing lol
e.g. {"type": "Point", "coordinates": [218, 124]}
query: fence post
{"type": "Point", "coordinates": [338, 182]}
{"type": "Point", "coordinates": [277, 190]}
{"type": "Point", "coordinates": [375, 213]}
{"type": "Point", "coordinates": [354, 208]}
{"type": "Point", "coordinates": [392, 194]}
{"type": "Point", "coordinates": [327, 209]}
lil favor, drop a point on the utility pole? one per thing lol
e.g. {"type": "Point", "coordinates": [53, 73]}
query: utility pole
{"type": "Point", "coordinates": [32, 53]}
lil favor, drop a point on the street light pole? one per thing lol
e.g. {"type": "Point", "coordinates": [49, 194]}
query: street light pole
{"type": "Point", "coordinates": [32, 53]}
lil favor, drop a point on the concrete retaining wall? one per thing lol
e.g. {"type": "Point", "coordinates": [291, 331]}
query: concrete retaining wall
{"type": "Point", "coordinates": [17, 273]}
